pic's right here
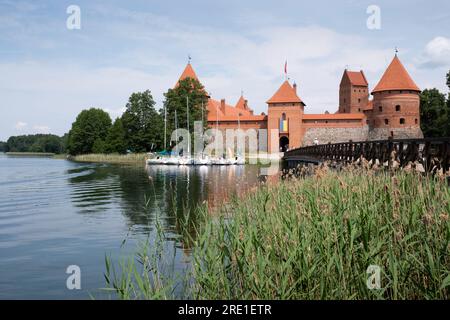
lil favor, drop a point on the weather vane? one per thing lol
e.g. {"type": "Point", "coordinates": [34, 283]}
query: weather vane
{"type": "Point", "coordinates": [189, 58]}
{"type": "Point", "coordinates": [396, 50]}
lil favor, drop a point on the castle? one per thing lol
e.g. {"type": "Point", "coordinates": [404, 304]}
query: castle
{"type": "Point", "coordinates": [393, 112]}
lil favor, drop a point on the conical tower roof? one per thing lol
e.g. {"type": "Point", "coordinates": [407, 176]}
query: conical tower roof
{"type": "Point", "coordinates": [285, 94]}
{"type": "Point", "coordinates": [188, 72]}
{"type": "Point", "coordinates": [396, 78]}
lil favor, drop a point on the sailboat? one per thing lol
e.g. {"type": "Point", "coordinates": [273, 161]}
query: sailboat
{"type": "Point", "coordinates": [239, 159]}
{"type": "Point", "coordinates": [173, 158]}
{"type": "Point", "coordinates": [202, 160]}
{"type": "Point", "coordinates": [187, 159]}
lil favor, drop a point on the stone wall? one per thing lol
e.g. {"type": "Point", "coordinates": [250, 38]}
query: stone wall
{"type": "Point", "coordinates": [335, 135]}
{"type": "Point", "coordinates": [398, 133]}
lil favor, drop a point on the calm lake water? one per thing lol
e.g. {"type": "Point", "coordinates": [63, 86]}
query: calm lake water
{"type": "Point", "coordinates": [56, 213]}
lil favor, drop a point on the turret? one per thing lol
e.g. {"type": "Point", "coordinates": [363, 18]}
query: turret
{"type": "Point", "coordinates": [396, 105]}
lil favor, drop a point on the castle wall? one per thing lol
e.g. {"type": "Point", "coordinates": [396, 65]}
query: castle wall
{"type": "Point", "coordinates": [413, 132]}
{"type": "Point", "coordinates": [327, 135]}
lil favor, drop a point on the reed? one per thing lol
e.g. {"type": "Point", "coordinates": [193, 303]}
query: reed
{"type": "Point", "coordinates": [134, 158]}
{"type": "Point", "coordinates": [314, 238]}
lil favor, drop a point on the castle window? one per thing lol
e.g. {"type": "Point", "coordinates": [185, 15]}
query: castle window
{"type": "Point", "coordinates": [359, 109]}
{"type": "Point", "coordinates": [380, 108]}
{"type": "Point", "coordinates": [397, 108]}
{"type": "Point", "coordinates": [344, 100]}
{"type": "Point", "coordinates": [386, 121]}
{"type": "Point", "coordinates": [359, 100]}
{"type": "Point", "coordinates": [416, 121]}
{"type": "Point", "coordinates": [402, 121]}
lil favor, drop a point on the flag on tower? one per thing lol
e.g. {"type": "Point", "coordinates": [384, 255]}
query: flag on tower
{"type": "Point", "coordinates": [285, 67]}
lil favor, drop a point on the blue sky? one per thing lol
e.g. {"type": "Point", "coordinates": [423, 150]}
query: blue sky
{"type": "Point", "coordinates": [50, 73]}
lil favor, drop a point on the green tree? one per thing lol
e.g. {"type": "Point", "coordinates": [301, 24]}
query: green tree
{"type": "Point", "coordinates": [177, 99]}
{"type": "Point", "coordinates": [2, 146]}
{"type": "Point", "coordinates": [99, 146]}
{"type": "Point", "coordinates": [115, 141]}
{"type": "Point", "coordinates": [434, 113]}
{"type": "Point", "coordinates": [90, 125]}
{"type": "Point", "coordinates": [35, 143]}
{"type": "Point", "coordinates": [142, 123]}
{"type": "Point", "coordinates": [448, 79]}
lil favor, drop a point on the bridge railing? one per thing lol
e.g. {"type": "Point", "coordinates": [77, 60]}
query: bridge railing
{"type": "Point", "coordinates": [432, 153]}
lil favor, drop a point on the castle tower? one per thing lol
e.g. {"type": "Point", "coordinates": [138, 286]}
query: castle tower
{"type": "Point", "coordinates": [285, 113]}
{"type": "Point", "coordinates": [353, 92]}
{"type": "Point", "coordinates": [396, 105]}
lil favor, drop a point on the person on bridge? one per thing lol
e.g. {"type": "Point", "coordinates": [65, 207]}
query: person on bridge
{"type": "Point", "coordinates": [316, 142]}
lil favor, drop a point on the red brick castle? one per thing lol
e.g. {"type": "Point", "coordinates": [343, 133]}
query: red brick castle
{"type": "Point", "coordinates": [393, 111]}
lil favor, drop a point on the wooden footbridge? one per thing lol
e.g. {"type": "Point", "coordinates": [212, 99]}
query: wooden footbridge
{"type": "Point", "coordinates": [431, 153]}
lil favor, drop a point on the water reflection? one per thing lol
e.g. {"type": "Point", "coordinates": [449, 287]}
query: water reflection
{"type": "Point", "coordinates": [168, 192]}
{"type": "Point", "coordinates": [55, 213]}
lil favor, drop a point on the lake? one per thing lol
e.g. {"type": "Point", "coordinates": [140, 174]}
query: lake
{"type": "Point", "coordinates": [57, 213]}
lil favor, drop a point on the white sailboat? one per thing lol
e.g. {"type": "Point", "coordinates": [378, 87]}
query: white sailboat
{"type": "Point", "coordinates": [186, 159]}
{"type": "Point", "coordinates": [202, 160]}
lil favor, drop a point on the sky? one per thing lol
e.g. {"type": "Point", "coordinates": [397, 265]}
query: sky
{"type": "Point", "coordinates": [50, 72]}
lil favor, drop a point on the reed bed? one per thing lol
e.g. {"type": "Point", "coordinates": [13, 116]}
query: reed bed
{"type": "Point", "coordinates": [314, 238]}
{"type": "Point", "coordinates": [134, 158]}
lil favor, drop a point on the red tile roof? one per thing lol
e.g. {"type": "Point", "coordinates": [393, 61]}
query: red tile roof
{"type": "Point", "coordinates": [215, 112]}
{"type": "Point", "coordinates": [241, 104]}
{"type": "Point", "coordinates": [357, 78]}
{"type": "Point", "coordinates": [188, 73]}
{"type": "Point", "coordinates": [369, 106]}
{"type": "Point", "coordinates": [396, 78]}
{"type": "Point", "coordinates": [285, 94]}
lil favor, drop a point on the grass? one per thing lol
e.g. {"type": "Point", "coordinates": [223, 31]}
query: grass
{"type": "Point", "coordinates": [314, 238]}
{"type": "Point", "coordinates": [30, 154]}
{"type": "Point", "coordinates": [135, 158]}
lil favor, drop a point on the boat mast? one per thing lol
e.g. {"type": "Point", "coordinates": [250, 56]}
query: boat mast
{"type": "Point", "coordinates": [176, 128]}
{"type": "Point", "coordinates": [165, 127]}
{"type": "Point", "coordinates": [187, 117]}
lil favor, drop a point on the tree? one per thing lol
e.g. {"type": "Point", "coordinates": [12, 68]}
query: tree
{"type": "Point", "coordinates": [142, 123]}
{"type": "Point", "coordinates": [35, 143]}
{"type": "Point", "coordinates": [2, 146]}
{"type": "Point", "coordinates": [434, 113]}
{"type": "Point", "coordinates": [448, 79]}
{"type": "Point", "coordinates": [176, 99]}
{"type": "Point", "coordinates": [90, 125]}
{"type": "Point", "coordinates": [99, 146]}
{"type": "Point", "coordinates": [115, 141]}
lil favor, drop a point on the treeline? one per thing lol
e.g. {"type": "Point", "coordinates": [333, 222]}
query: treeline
{"type": "Point", "coordinates": [435, 112]}
{"type": "Point", "coordinates": [35, 143]}
{"type": "Point", "coordinates": [141, 126]}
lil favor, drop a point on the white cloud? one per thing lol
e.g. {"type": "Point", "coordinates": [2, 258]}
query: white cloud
{"type": "Point", "coordinates": [114, 113]}
{"type": "Point", "coordinates": [41, 129]}
{"type": "Point", "coordinates": [225, 60]}
{"type": "Point", "coordinates": [436, 53]}
{"type": "Point", "coordinates": [20, 125]}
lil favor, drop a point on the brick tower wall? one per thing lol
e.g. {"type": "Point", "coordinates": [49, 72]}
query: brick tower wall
{"type": "Point", "coordinates": [352, 99]}
{"type": "Point", "coordinates": [396, 114]}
